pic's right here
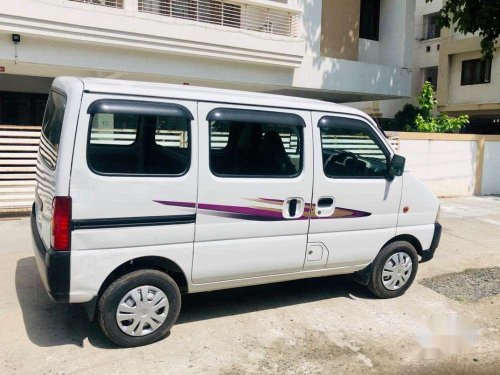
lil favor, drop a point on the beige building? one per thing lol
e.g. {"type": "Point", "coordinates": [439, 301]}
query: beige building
{"type": "Point", "coordinates": [452, 62]}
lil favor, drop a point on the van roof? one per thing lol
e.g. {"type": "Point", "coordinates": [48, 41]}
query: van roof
{"type": "Point", "coordinates": [164, 90]}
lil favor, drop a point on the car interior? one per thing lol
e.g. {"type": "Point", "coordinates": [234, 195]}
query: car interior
{"type": "Point", "coordinates": [254, 150]}
{"type": "Point", "coordinates": [144, 155]}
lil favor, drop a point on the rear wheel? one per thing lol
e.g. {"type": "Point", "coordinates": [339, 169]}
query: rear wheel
{"type": "Point", "coordinates": [139, 308]}
{"type": "Point", "coordinates": [393, 270]}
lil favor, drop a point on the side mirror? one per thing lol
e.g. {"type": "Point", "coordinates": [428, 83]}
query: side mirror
{"type": "Point", "coordinates": [397, 166]}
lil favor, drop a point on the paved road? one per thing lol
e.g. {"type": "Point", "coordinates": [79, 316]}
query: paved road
{"type": "Point", "coordinates": [310, 326]}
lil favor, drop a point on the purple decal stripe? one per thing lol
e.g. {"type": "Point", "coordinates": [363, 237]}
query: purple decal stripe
{"type": "Point", "coordinates": [262, 213]}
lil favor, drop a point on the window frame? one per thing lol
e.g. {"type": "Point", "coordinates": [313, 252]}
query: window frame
{"type": "Point", "coordinates": [127, 106]}
{"type": "Point", "coordinates": [42, 134]}
{"type": "Point", "coordinates": [426, 21]}
{"type": "Point", "coordinates": [485, 71]}
{"type": "Point", "coordinates": [375, 138]}
{"type": "Point", "coordinates": [255, 113]}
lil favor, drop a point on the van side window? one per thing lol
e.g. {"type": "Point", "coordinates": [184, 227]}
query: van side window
{"type": "Point", "coordinates": [128, 139]}
{"type": "Point", "coordinates": [246, 143]}
{"type": "Point", "coordinates": [351, 149]}
{"type": "Point", "coordinates": [51, 128]}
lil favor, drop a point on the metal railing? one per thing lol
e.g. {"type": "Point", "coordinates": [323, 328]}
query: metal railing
{"type": "Point", "coordinates": [105, 3]}
{"type": "Point", "coordinates": [228, 13]}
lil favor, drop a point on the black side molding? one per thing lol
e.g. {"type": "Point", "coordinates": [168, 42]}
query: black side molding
{"type": "Point", "coordinates": [255, 116]}
{"type": "Point", "coordinates": [429, 254]}
{"type": "Point", "coordinates": [139, 107]}
{"type": "Point", "coordinates": [124, 222]}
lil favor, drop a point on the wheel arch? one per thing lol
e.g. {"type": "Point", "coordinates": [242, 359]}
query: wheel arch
{"type": "Point", "coordinates": [363, 276]}
{"type": "Point", "coordinates": [140, 263]}
{"type": "Point", "coordinates": [408, 238]}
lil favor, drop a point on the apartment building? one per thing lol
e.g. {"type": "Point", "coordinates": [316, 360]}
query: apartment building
{"type": "Point", "coordinates": [468, 84]}
{"type": "Point", "coordinates": [464, 83]}
{"type": "Point", "coordinates": [337, 50]}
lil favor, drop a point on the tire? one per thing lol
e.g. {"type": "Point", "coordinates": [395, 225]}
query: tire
{"type": "Point", "coordinates": [148, 321]}
{"type": "Point", "coordinates": [383, 284]}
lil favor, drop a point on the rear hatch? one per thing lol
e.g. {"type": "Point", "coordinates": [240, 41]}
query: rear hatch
{"type": "Point", "coordinates": [47, 162]}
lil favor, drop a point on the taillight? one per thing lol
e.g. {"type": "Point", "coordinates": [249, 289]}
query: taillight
{"type": "Point", "coordinates": [60, 239]}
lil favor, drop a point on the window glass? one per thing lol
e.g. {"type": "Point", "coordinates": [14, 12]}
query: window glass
{"type": "Point", "coordinates": [475, 72]}
{"type": "Point", "coordinates": [114, 129]}
{"type": "Point", "coordinates": [139, 144]}
{"type": "Point", "coordinates": [431, 26]}
{"type": "Point", "coordinates": [245, 149]}
{"type": "Point", "coordinates": [369, 19]}
{"type": "Point", "coordinates": [351, 149]}
{"type": "Point", "coordinates": [52, 127]}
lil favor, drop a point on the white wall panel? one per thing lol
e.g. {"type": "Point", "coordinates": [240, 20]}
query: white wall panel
{"type": "Point", "coordinates": [446, 167]}
{"type": "Point", "coordinates": [491, 168]}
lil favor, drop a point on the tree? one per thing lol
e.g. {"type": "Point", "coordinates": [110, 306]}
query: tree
{"type": "Point", "coordinates": [474, 16]}
{"type": "Point", "coordinates": [405, 118]}
{"type": "Point", "coordinates": [425, 120]}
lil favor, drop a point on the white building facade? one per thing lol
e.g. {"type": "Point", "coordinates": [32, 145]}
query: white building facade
{"type": "Point", "coordinates": [335, 50]}
{"type": "Point", "coordinates": [309, 48]}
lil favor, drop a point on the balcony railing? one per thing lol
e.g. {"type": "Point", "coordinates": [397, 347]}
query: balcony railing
{"type": "Point", "coordinates": [105, 3]}
{"type": "Point", "coordinates": [239, 14]}
{"type": "Point", "coordinates": [226, 13]}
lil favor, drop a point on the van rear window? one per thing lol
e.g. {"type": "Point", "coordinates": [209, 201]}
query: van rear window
{"type": "Point", "coordinates": [51, 128]}
{"type": "Point", "coordinates": [138, 143]}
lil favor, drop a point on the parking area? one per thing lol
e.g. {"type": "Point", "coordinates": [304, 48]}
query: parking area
{"type": "Point", "coordinates": [323, 325]}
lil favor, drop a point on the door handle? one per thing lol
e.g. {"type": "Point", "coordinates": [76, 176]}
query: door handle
{"type": "Point", "coordinates": [293, 208]}
{"type": "Point", "coordinates": [325, 206]}
{"type": "Point", "coordinates": [325, 202]}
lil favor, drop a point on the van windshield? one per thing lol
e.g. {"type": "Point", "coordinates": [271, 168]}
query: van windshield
{"type": "Point", "coordinates": [51, 128]}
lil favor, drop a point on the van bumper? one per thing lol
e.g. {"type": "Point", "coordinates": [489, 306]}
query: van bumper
{"type": "Point", "coordinates": [53, 266]}
{"type": "Point", "coordinates": [429, 253]}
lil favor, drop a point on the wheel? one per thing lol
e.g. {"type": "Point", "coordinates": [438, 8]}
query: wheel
{"type": "Point", "coordinates": [393, 270]}
{"type": "Point", "coordinates": [139, 308]}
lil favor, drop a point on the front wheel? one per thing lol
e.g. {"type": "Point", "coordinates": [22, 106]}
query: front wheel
{"type": "Point", "coordinates": [393, 270]}
{"type": "Point", "coordinates": [139, 308]}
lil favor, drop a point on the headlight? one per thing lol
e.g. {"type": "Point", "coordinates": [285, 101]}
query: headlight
{"type": "Point", "coordinates": [438, 214]}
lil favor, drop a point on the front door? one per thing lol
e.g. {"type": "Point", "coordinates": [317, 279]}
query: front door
{"type": "Point", "coordinates": [255, 186]}
{"type": "Point", "coordinates": [355, 204]}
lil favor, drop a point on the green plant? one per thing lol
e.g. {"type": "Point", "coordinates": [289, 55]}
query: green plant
{"type": "Point", "coordinates": [426, 122]}
{"type": "Point", "coordinates": [405, 119]}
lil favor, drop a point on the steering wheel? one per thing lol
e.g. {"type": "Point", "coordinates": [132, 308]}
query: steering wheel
{"type": "Point", "coordinates": [340, 156]}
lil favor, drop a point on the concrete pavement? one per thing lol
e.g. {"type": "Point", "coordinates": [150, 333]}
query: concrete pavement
{"type": "Point", "coordinates": [322, 325]}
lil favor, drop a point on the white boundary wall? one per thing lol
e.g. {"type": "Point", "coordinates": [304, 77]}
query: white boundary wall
{"type": "Point", "coordinates": [491, 168]}
{"type": "Point", "coordinates": [453, 164]}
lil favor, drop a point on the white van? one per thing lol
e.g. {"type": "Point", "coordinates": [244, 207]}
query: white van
{"type": "Point", "coordinates": [146, 191]}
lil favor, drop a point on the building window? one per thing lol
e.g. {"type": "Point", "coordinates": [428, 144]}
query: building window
{"type": "Point", "coordinates": [475, 72]}
{"type": "Point", "coordinates": [369, 19]}
{"type": "Point", "coordinates": [431, 27]}
{"type": "Point", "coordinates": [431, 75]}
